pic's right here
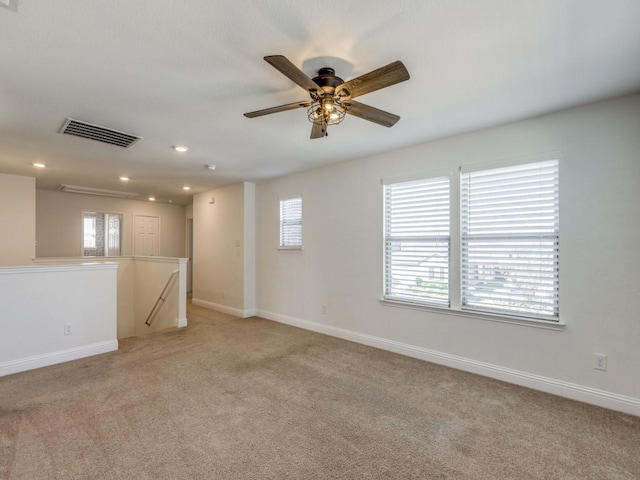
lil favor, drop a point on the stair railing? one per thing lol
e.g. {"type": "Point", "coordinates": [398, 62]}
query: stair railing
{"type": "Point", "coordinates": [156, 308]}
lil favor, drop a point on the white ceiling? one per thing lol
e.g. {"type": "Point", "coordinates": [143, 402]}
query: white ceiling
{"type": "Point", "coordinates": [183, 72]}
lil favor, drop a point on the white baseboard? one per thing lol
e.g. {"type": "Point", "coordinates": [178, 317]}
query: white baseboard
{"type": "Point", "coordinates": [554, 386]}
{"type": "Point", "coordinates": [223, 308]}
{"type": "Point", "coordinates": [181, 322]}
{"type": "Point", "coordinates": [44, 360]}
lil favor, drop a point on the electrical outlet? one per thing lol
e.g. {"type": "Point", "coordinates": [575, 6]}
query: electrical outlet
{"type": "Point", "coordinates": [67, 329]}
{"type": "Point", "coordinates": [324, 310]}
{"type": "Point", "coordinates": [601, 361]}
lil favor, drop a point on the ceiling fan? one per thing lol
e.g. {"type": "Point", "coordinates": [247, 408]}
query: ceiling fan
{"type": "Point", "coordinates": [332, 97]}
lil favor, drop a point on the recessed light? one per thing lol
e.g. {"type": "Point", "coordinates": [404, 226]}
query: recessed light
{"type": "Point", "coordinates": [124, 179]}
{"type": "Point", "coordinates": [152, 199]}
{"type": "Point", "coordinates": [180, 148]}
{"type": "Point", "coordinates": [211, 167]}
{"type": "Point", "coordinates": [39, 165]}
{"type": "Point", "coordinates": [186, 187]}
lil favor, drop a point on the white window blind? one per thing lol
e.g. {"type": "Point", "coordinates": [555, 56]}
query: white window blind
{"type": "Point", "coordinates": [291, 223]}
{"type": "Point", "coordinates": [510, 240]}
{"type": "Point", "coordinates": [417, 241]}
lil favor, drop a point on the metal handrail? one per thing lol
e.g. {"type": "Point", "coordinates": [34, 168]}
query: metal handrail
{"type": "Point", "coordinates": [156, 308]}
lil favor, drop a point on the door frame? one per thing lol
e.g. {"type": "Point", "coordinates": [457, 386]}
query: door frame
{"type": "Point", "coordinates": [189, 252]}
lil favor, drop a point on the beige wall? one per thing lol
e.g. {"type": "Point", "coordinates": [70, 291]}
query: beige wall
{"type": "Point", "coordinates": [38, 302]}
{"type": "Point", "coordinates": [219, 253]}
{"type": "Point", "coordinates": [58, 222]}
{"type": "Point", "coordinates": [341, 263]}
{"type": "Point", "coordinates": [17, 220]}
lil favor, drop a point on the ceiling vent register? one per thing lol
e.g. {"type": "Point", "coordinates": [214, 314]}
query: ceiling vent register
{"type": "Point", "coordinates": [98, 133]}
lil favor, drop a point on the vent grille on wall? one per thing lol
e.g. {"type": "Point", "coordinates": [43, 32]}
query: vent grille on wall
{"type": "Point", "coordinates": [96, 191]}
{"type": "Point", "coordinates": [98, 133]}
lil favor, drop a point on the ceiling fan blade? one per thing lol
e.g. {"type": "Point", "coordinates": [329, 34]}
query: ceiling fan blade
{"type": "Point", "coordinates": [289, 70]}
{"type": "Point", "coordinates": [382, 77]}
{"type": "Point", "coordinates": [318, 130]}
{"type": "Point", "coordinates": [372, 114]}
{"type": "Point", "coordinates": [280, 108]}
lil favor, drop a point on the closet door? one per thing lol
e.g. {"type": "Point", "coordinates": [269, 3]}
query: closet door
{"type": "Point", "coordinates": [147, 236]}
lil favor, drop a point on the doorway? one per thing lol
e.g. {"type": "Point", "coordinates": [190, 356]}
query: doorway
{"type": "Point", "coordinates": [189, 253]}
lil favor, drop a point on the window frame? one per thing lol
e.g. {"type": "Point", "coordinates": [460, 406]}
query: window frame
{"type": "Point", "coordinates": [538, 229]}
{"type": "Point", "coordinates": [96, 248]}
{"type": "Point", "coordinates": [455, 307]}
{"type": "Point", "coordinates": [284, 222]}
{"type": "Point", "coordinates": [93, 219]}
{"type": "Point", "coordinates": [418, 244]}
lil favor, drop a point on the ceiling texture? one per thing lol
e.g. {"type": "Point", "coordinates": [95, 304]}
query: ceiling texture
{"type": "Point", "coordinates": [184, 72]}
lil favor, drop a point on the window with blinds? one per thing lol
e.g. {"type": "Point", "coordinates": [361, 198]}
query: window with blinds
{"type": "Point", "coordinates": [510, 240]}
{"type": "Point", "coordinates": [291, 223]}
{"type": "Point", "coordinates": [417, 241]}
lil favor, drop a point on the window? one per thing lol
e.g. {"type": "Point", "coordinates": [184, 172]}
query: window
{"type": "Point", "coordinates": [101, 234]}
{"type": "Point", "coordinates": [417, 241]}
{"type": "Point", "coordinates": [291, 223]}
{"type": "Point", "coordinates": [506, 254]}
{"type": "Point", "coordinates": [510, 239]}
{"type": "Point", "coordinates": [89, 229]}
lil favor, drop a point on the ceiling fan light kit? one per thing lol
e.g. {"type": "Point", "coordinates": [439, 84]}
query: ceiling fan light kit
{"type": "Point", "coordinates": [332, 98]}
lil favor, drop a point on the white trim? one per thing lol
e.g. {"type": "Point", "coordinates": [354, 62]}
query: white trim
{"type": "Point", "coordinates": [181, 322]}
{"type": "Point", "coordinates": [424, 174]}
{"type": "Point", "coordinates": [223, 308]}
{"type": "Point", "coordinates": [527, 322]}
{"type": "Point", "coordinates": [78, 260]}
{"type": "Point", "coordinates": [180, 260]}
{"type": "Point", "coordinates": [297, 195]}
{"type": "Point", "coordinates": [92, 260]}
{"type": "Point", "coordinates": [553, 386]}
{"type": "Point", "coordinates": [44, 360]}
{"type": "Point", "coordinates": [58, 268]}
{"type": "Point", "coordinates": [512, 161]}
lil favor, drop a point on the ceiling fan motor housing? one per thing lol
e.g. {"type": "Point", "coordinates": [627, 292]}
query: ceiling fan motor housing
{"type": "Point", "coordinates": [327, 78]}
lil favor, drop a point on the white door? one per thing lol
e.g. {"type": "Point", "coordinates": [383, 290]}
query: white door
{"type": "Point", "coordinates": [112, 234]}
{"type": "Point", "coordinates": [147, 236]}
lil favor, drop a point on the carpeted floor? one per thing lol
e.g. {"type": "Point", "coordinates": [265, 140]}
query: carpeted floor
{"type": "Point", "coordinates": [228, 398]}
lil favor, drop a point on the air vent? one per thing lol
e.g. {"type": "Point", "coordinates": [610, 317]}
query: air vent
{"type": "Point", "coordinates": [98, 133]}
{"type": "Point", "coordinates": [96, 191]}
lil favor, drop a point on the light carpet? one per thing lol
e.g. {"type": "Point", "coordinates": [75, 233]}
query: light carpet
{"type": "Point", "coordinates": [229, 398]}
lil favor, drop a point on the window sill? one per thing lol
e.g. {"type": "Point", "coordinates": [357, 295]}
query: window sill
{"type": "Point", "coordinates": [526, 322]}
{"type": "Point", "coordinates": [290, 249]}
